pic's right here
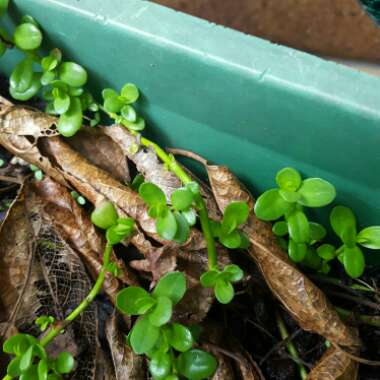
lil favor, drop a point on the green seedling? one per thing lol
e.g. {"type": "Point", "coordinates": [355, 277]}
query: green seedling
{"type": "Point", "coordinates": [79, 198]}
{"type": "Point", "coordinates": [344, 224]}
{"type": "Point", "coordinates": [235, 214]}
{"type": "Point", "coordinates": [30, 360]}
{"type": "Point", "coordinates": [118, 106]}
{"type": "Point", "coordinates": [106, 218]}
{"type": "Point", "coordinates": [38, 174]}
{"type": "Point", "coordinates": [167, 345]}
{"type": "Point", "coordinates": [172, 223]}
{"type": "Point", "coordinates": [221, 282]}
{"type": "Point", "coordinates": [44, 321]}
{"type": "Point", "coordinates": [287, 201]}
{"type": "Point", "coordinates": [137, 181]}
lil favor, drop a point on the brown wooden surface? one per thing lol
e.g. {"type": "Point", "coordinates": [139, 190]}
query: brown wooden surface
{"type": "Point", "coordinates": [337, 28]}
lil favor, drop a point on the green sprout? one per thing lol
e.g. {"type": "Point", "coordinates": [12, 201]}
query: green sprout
{"type": "Point", "coordinates": [287, 201]}
{"type": "Point", "coordinates": [222, 281]}
{"type": "Point", "coordinates": [44, 321]}
{"type": "Point", "coordinates": [350, 255]}
{"type": "Point", "coordinates": [38, 174]}
{"type": "Point", "coordinates": [30, 360]}
{"type": "Point", "coordinates": [79, 198]}
{"type": "Point", "coordinates": [235, 214]}
{"type": "Point", "coordinates": [106, 218]}
{"type": "Point", "coordinates": [168, 345]}
{"type": "Point", "coordinates": [172, 223]}
{"type": "Point", "coordinates": [118, 106]}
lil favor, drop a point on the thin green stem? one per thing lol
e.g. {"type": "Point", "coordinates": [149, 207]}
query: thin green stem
{"type": "Point", "coordinates": [174, 167]}
{"type": "Point", "coordinates": [371, 320]}
{"type": "Point", "coordinates": [290, 346]}
{"type": "Point", "coordinates": [56, 330]}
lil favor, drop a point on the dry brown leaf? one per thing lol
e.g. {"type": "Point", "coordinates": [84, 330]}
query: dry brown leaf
{"type": "Point", "coordinates": [145, 159]}
{"type": "Point", "coordinates": [76, 228]}
{"type": "Point", "coordinates": [334, 365]}
{"type": "Point", "coordinates": [16, 255]}
{"type": "Point", "coordinates": [127, 365]}
{"type": "Point", "coordinates": [101, 151]}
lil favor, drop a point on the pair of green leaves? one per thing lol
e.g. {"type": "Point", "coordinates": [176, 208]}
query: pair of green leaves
{"type": "Point", "coordinates": [118, 106]}
{"type": "Point", "coordinates": [79, 198]}
{"type": "Point", "coordinates": [222, 281]}
{"type": "Point", "coordinates": [37, 172]}
{"type": "Point", "coordinates": [343, 222]}
{"type": "Point", "coordinates": [292, 191]}
{"type": "Point", "coordinates": [117, 229]}
{"type": "Point", "coordinates": [31, 361]}
{"type": "Point", "coordinates": [171, 224]}
{"type": "Point", "coordinates": [235, 214]}
{"type": "Point", "coordinates": [156, 308]}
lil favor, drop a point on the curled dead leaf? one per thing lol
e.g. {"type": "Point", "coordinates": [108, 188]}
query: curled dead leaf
{"type": "Point", "coordinates": [334, 365]}
{"type": "Point", "coordinates": [145, 159]}
{"type": "Point", "coordinates": [127, 365]}
{"type": "Point", "coordinates": [101, 151]}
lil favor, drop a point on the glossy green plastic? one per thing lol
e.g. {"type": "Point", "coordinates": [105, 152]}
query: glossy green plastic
{"type": "Point", "coordinates": [235, 99]}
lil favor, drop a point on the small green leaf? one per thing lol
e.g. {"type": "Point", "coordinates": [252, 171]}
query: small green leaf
{"type": "Point", "coordinates": [129, 113]}
{"type": "Point", "coordinates": [297, 251]}
{"type": "Point", "coordinates": [326, 252]}
{"type": "Point", "coordinates": [22, 76]}
{"type": "Point", "coordinates": [311, 259]}
{"type": "Point", "coordinates": [208, 279]}
{"type": "Point", "coordinates": [288, 179]}
{"type": "Point", "coordinates": [18, 344]}
{"type": "Point", "coordinates": [3, 48]}
{"type": "Point", "coordinates": [317, 231]}
{"type": "Point", "coordinates": [76, 91]}
{"type": "Point", "coordinates": [64, 363]}
{"type": "Point", "coordinates": [130, 92]}
{"type": "Point", "coordinates": [193, 187]}
{"type": "Point", "coordinates": [47, 77]}
{"type": "Point", "coordinates": [160, 365]}
{"type": "Point", "coordinates": [105, 215]}
{"type": "Point", "coordinates": [109, 93]}
{"type": "Point", "coordinates": [3, 6]}
{"type": "Point", "coordinates": [343, 222]}
{"type": "Point", "coordinates": [182, 199]}
{"type": "Point", "coordinates": [139, 125]}
{"type": "Point", "coordinates": [27, 36]}
{"type": "Point", "coordinates": [190, 215]}
{"type": "Point", "coordinates": [72, 74]}
{"type": "Point", "coordinates": [119, 231]}
{"type": "Point", "coordinates": [271, 206]}
{"type": "Point", "coordinates": [44, 321]}
{"type": "Point", "coordinates": [167, 226]}
{"type": "Point", "coordinates": [61, 104]}
{"type": "Point", "coordinates": [13, 368]}
{"type": "Point", "coordinates": [235, 214]}
{"type": "Point", "coordinates": [28, 19]}
{"type": "Point", "coordinates": [234, 272]}
{"type": "Point", "coordinates": [180, 337]}
{"type": "Point", "coordinates": [232, 240]}
{"type": "Point", "coordinates": [70, 122]}
{"type": "Point", "coordinates": [369, 237]}
{"type": "Point", "coordinates": [196, 364]}
{"type": "Point", "coordinates": [162, 311]}
{"type": "Point", "coordinates": [325, 268]}
{"type": "Point", "coordinates": [353, 261]}
{"type": "Point", "coordinates": [280, 228]}
{"type": "Point", "coordinates": [224, 291]}
{"type": "Point", "coordinates": [26, 359]}
{"type": "Point", "coordinates": [113, 104]}
{"type": "Point", "coordinates": [299, 228]}
{"type": "Point", "coordinates": [42, 370]}
{"type": "Point", "coordinates": [129, 300]}
{"type": "Point", "coordinates": [29, 92]}
{"type": "Point", "coordinates": [316, 192]}
{"type": "Point", "coordinates": [137, 181]}
{"type": "Point", "coordinates": [152, 194]}
{"type": "Point", "coordinates": [289, 196]}
{"type": "Point", "coordinates": [172, 285]}
{"type": "Point", "coordinates": [143, 336]}
{"type": "Point", "coordinates": [183, 228]}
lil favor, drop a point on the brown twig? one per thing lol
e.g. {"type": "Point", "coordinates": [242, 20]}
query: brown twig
{"type": "Point", "coordinates": [188, 154]}
{"type": "Point", "coordinates": [6, 178]}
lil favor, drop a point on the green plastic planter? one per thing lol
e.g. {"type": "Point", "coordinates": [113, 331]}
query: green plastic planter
{"type": "Point", "coordinates": [235, 99]}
